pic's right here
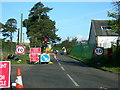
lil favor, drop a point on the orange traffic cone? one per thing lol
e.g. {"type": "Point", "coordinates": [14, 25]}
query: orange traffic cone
{"type": "Point", "coordinates": [18, 81]}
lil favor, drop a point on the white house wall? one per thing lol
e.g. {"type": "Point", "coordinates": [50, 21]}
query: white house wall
{"type": "Point", "coordinates": [106, 41]}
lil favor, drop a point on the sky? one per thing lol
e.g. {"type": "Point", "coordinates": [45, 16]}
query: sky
{"type": "Point", "coordinates": [73, 18]}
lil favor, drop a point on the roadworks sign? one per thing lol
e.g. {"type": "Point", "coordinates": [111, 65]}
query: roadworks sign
{"type": "Point", "coordinates": [5, 68]}
{"type": "Point", "coordinates": [45, 57]}
{"type": "Point", "coordinates": [34, 57]}
{"type": "Point", "coordinates": [35, 50]}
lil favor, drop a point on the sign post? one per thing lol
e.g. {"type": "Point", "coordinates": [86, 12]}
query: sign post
{"type": "Point", "coordinates": [99, 51]}
{"type": "Point", "coordinates": [5, 68]}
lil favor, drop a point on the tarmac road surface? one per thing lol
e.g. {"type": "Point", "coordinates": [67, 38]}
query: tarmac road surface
{"type": "Point", "coordinates": [65, 73]}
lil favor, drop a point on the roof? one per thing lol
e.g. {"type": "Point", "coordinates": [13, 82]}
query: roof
{"type": "Point", "coordinates": [97, 24]}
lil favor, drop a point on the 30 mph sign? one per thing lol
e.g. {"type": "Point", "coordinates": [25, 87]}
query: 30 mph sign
{"type": "Point", "coordinates": [20, 49]}
{"type": "Point", "coordinates": [99, 51]}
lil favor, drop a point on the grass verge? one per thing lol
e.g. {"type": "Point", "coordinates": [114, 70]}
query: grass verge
{"type": "Point", "coordinates": [22, 59]}
{"type": "Point", "coordinates": [87, 61]}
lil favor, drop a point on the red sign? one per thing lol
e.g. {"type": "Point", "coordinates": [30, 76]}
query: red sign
{"type": "Point", "coordinates": [34, 57]}
{"type": "Point", "coordinates": [35, 50]}
{"type": "Point", "coordinates": [110, 52]}
{"type": "Point", "coordinates": [5, 74]}
{"type": "Point", "coordinates": [20, 50]}
{"type": "Point", "coordinates": [45, 40]}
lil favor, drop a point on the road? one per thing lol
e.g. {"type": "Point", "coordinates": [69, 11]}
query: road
{"type": "Point", "coordinates": [65, 73]}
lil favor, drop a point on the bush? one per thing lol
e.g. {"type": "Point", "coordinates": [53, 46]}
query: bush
{"type": "Point", "coordinates": [105, 60]}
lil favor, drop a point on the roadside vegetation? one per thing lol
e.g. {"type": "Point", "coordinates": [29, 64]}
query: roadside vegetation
{"type": "Point", "coordinates": [105, 62]}
{"type": "Point", "coordinates": [8, 49]}
{"type": "Point", "coordinates": [22, 59]}
{"type": "Point", "coordinates": [85, 55]}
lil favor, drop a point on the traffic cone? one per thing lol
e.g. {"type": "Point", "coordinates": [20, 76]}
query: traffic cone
{"type": "Point", "coordinates": [18, 81]}
{"type": "Point", "coordinates": [55, 57]}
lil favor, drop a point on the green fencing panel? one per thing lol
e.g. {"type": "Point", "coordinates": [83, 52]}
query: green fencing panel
{"type": "Point", "coordinates": [83, 51]}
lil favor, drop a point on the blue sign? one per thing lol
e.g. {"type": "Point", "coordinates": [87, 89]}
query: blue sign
{"type": "Point", "coordinates": [45, 57]}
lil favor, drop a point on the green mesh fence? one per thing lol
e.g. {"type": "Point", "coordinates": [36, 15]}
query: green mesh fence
{"type": "Point", "coordinates": [10, 48]}
{"type": "Point", "coordinates": [83, 51]}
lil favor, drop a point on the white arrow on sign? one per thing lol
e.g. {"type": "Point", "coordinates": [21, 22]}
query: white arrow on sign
{"type": "Point", "coordinates": [45, 57]}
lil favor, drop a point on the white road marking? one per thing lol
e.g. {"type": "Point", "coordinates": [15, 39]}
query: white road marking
{"type": "Point", "coordinates": [75, 83]}
{"type": "Point", "coordinates": [103, 88]}
{"type": "Point", "coordinates": [72, 80]}
{"type": "Point", "coordinates": [59, 64]}
{"type": "Point", "coordinates": [61, 67]}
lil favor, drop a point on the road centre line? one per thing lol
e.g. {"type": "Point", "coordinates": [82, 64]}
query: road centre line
{"type": "Point", "coordinates": [75, 83]}
{"type": "Point", "coordinates": [61, 67]}
{"type": "Point", "coordinates": [72, 80]}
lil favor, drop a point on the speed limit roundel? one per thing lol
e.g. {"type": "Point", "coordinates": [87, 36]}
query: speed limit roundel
{"type": "Point", "coordinates": [99, 51]}
{"type": "Point", "coordinates": [20, 50]}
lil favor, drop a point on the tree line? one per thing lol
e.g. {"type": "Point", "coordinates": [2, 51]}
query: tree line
{"type": "Point", "coordinates": [39, 26]}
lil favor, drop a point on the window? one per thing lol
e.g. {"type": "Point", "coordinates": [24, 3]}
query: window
{"type": "Point", "coordinates": [106, 27]}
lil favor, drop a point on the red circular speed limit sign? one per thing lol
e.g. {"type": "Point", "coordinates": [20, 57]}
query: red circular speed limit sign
{"type": "Point", "coordinates": [20, 50]}
{"type": "Point", "coordinates": [99, 51]}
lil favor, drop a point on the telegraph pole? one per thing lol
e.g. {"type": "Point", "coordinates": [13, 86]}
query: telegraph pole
{"type": "Point", "coordinates": [118, 8]}
{"type": "Point", "coordinates": [20, 32]}
{"type": "Point", "coordinates": [23, 37]}
{"type": "Point", "coordinates": [18, 36]}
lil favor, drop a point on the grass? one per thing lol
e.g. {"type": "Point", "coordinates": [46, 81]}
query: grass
{"type": "Point", "coordinates": [115, 69]}
{"type": "Point", "coordinates": [99, 64]}
{"type": "Point", "coordinates": [23, 59]}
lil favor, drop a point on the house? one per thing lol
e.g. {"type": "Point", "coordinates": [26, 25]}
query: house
{"type": "Point", "coordinates": [101, 35]}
